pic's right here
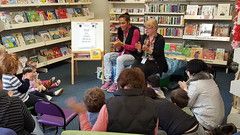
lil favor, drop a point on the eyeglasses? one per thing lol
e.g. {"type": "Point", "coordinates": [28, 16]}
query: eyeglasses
{"type": "Point", "coordinates": [148, 28]}
{"type": "Point", "coordinates": [124, 22]}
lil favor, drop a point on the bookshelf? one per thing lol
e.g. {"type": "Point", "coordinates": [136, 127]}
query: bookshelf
{"type": "Point", "coordinates": [48, 50]}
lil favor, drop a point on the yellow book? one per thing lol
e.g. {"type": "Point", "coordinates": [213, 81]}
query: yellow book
{"type": "Point", "coordinates": [95, 54]}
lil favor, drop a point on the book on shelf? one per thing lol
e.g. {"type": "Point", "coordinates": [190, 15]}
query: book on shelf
{"type": "Point", "coordinates": [223, 9]}
{"type": "Point", "coordinates": [38, 38]}
{"type": "Point", "coordinates": [57, 52]}
{"type": "Point", "coordinates": [208, 11]}
{"type": "Point", "coordinates": [220, 52]}
{"type": "Point", "coordinates": [61, 13]}
{"type": "Point", "coordinates": [18, 17]}
{"type": "Point", "coordinates": [33, 16]}
{"type": "Point", "coordinates": [85, 11]}
{"type": "Point", "coordinates": [70, 13]}
{"type": "Point", "coordinates": [61, 1]}
{"type": "Point", "coordinates": [42, 14]}
{"type": "Point", "coordinates": [64, 50]}
{"type": "Point", "coordinates": [51, 1]}
{"type": "Point", "coordinates": [54, 33]}
{"type": "Point", "coordinates": [45, 35]}
{"type": "Point", "coordinates": [192, 10]}
{"type": "Point", "coordinates": [5, 17]}
{"type": "Point", "coordinates": [51, 15]}
{"type": "Point", "coordinates": [33, 58]}
{"type": "Point", "coordinates": [22, 1]}
{"type": "Point", "coordinates": [42, 1]}
{"type": "Point", "coordinates": [9, 41]}
{"type": "Point", "coordinates": [29, 38]}
{"type": "Point", "coordinates": [196, 53]}
{"type": "Point", "coordinates": [205, 29]}
{"type": "Point", "coordinates": [19, 38]}
{"type": "Point", "coordinates": [191, 29]}
{"type": "Point", "coordinates": [4, 2]}
{"type": "Point", "coordinates": [12, 1]}
{"type": "Point", "coordinates": [50, 54]}
{"type": "Point", "coordinates": [78, 12]}
{"type": "Point", "coordinates": [63, 32]}
{"type": "Point", "coordinates": [209, 53]}
{"type": "Point", "coordinates": [221, 30]}
{"type": "Point", "coordinates": [95, 54]}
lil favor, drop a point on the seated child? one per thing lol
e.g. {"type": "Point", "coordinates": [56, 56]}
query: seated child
{"type": "Point", "coordinates": [94, 99]}
{"type": "Point", "coordinates": [39, 88]}
{"type": "Point", "coordinates": [179, 97]}
{"type": "Point", "coordinates": [153, 81]}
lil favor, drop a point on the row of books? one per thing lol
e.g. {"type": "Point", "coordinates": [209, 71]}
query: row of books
{"type": "Point", "coordinates": [196, 52]}
{"type": "Point", "coordinates": [129, 10]}
{"type": "Point", "coordinates": [132, 19]}
{"type": "Point", "coordinates": [173, 8]}
{"type": "Point", "coordinates": [176, 32]}
{"type": "Point", "coordinates": [27, 38]}
{"type": "Point", "coordinates": [174, 20]}
{"type": "Point", "coordinates": [51, 53]}
{"type": "Point", "coordinates": [4, 2]}
{"type": "Point", "coordinates": [209, 11]}
{"type": "Point", "coordinates": [19, 17]}
{"type": "Point", "coordinates": [207, 29]}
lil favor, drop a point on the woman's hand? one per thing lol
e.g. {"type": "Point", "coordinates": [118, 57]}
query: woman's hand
{"type": "Point", "coordinates": [77, 107]}
{"type": "Point", "coordinates": [183, 85]}
{"type": "Point", "coordinates": [138, 46]}
{"type": "Point", "coordinates": [118, 44]}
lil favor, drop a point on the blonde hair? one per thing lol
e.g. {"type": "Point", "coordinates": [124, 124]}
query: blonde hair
{"type": "Point", "coordinates": [10, 63]}
{"type": "Point", "coordinates": [152, 23]}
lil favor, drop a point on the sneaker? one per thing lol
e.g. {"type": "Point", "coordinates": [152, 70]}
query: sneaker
{"type": "Point", "coordinates": [53, 78]}
{"type": "Point", "coordinates": [112, 88]}
{"type": "Point", "coordinates": [48, 97]}
{"type": "Point", "coordinates": [58, 92]}
{"type": "Point", "coordinates": [106, 85]}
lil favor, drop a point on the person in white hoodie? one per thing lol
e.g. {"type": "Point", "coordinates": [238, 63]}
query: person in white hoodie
{"type": "Point", "coordinates": [205, 100]}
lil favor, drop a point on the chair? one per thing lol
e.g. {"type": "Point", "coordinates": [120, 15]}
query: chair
{"type": "Point", "coordinates": [52, 115]}
{"type": "Point", "coordinates": [7, 131]}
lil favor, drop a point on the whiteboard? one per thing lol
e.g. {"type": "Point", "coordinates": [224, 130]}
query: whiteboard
{"type": "Point", "coordinates": [87, 35]}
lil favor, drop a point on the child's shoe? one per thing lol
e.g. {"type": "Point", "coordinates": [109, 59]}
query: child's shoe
{"type": "Point", "coordinates": [53, 79]}
{"type": "Point", "coordinates": [112, 88]}
{"type": "Point", "coordinates": [58, 92]}
{"type": "Point", "coordinates": [48, 97]}
{"type": "Point", "coordinates": [56, 84]}
{"type": "Point", "coordinates": [106, 85]}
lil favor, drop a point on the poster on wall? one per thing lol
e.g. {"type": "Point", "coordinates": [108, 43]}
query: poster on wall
{"type": "Point", "coordinates": [87, 35]}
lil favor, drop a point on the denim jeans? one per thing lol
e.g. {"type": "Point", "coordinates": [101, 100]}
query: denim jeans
{"type": "Point", "coordinates": [114, 59]}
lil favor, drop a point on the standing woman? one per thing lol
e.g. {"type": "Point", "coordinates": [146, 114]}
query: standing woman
{"type": "Point", "coordinates": [151, 58]}
{"type": "Point", "coordinates": [128, 36]}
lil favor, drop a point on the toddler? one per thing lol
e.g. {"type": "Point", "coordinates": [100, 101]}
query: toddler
{"type": "Point", "coordinates": [179, 97]}
{"type": "Point", "coordinates": [94, 99]}
{"type": "Point", "coordinates": [153, 81]}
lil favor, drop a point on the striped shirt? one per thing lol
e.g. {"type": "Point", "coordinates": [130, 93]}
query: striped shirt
{"type": "Point", "coordinates": [11, 82]}
{"type": "Point", "coordinates": [14, 115]}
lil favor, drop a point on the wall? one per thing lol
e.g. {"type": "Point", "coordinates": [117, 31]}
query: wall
{"type": "Point", "coordinates": [101, 11]}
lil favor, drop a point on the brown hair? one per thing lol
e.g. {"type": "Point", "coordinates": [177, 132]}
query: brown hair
{"type": "Point", "coordinates": [1, 72]}
{"type": "Point", "coordinates": [131, 78]}
{"type": "Point", "coordinates": [180, 97]}
{"type": "Point", "coordinates": [126, 16]}
{"type": "Point", "coordinates": [10, 63]}
{"type": "Point", "coordinates": [94, 99]}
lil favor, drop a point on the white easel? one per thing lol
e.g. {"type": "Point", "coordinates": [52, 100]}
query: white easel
{"type": "Point", "coordinates": [86, 35]}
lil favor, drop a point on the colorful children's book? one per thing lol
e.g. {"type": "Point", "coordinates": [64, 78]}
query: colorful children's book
{"type": "Point", "coordinates": [22, 1]}
{"type": "Point", "coordinates": [196, 53]}
{"type": "Point", "coordinates": [208, 11]}
{"type": "Point", "coordinates": [220, 52]}
{"type": "Point", "coordinates": [3, 2]}
{"type": "Point", "coordinates": [42, 15]}
{"type": "Point", "coordinates": [33, 16]}
{"type": "Point", "coordinates": [192, 10]}
{"type": "Point", "coordinates": [19, 38]}
{"type": "Point", "coordinates": [95, 54]}
{"type": "Point", "coordinates": [191, 29]}
{"type": "Point", "coordinates": [45, 35]}
{"type": "Point", "coordinates": [54, 33]}
{"type": "Point", "coordinates": [221, 30]}
{"type": "Point", "coordinates": [18, 17]}
{"type": "Point", "coordinates": [51, 15]}
{"type": "Point", "coordinates": [223, 9]}
{"type": "Point", "coordinates": [57, 52]}
{"type": "Point", "coordinates": [61, 13]}
{"type": "Point", "coordinates": [29, 38]}
{"type": "Point", "coordinates": [64, 50]}
{"type": "Point", "coordinates": [205, 29]}
{"type": "Point", "coordinates": [209, 54]}
{"type": "Point", "coordinates": [42, 1]}
{"type": "Point", "coordinates": [9, 41]}
{"type": "Point", "coordinates": [63, 32]}
{"type": "Point", "coordinates": [34, 58]}
{"type": "Point", "coordinates": [78, 12]}
{"type": "Point", "coordinates": [12, 1]}
{"type": "Point", "coordinates": [85, 11]}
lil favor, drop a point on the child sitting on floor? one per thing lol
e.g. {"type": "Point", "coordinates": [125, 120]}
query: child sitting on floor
{"type": "Point", "coordinates": [94, 99]}
{"type": "Point", "coordinates": [153, 81]}
{"type": "Point", "coordinates": [42, 88]}
{"type": "Point", "coordinates": [179, 97]}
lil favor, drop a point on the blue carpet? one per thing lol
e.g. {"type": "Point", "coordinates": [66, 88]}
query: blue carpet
{"type": "Point", "coordinates": [87, 79]}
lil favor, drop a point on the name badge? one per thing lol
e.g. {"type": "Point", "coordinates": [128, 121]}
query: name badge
{"type": "Point", "coordinates": [144, 59]}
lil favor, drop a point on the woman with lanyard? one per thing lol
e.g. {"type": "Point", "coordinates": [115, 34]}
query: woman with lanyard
{"type": "Point", "coordinates": [151, 58]}
{"type": "Point", "coordinates": [127, 36]}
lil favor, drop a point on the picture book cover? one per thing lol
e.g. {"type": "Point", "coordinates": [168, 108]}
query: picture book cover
{"type": "Point", "coordinates": [205, 29]}
{"type": "Point", "coordinates": [209, 54]}
{"type": "Point", "coordinates": [50, 54]}
{"type": "Point", "coordinates": [64, 50]}
{"type": "Point", "coordinates": [85, 11]}
{"type": "Point", "coordinates": [45, 35]}
{"type": "Point", "coordinates": [19, 38]}
{"type": "Point", "coordinates": [33, 16]}
{"type": "Point", "coordinates": [95, 54]}
{"type": "Point", "coordinates": [43, 52]}
{"type": "Point", "coordinates": [208, 11]}
{"type": "Point", "coordinates": [29, 38]}
{"type": "Point", "coordinates": [5, 17]}
{"type": "Point", "coordinates": [196, 53]}
{"type": "Point", "coordinates": [42, 15]}
{"type": "Point", "coordinates": [51, 15]}
{"type": "Point", "coordinates": [54, 33]}
{"type": "Point", "coordinates": [57, 52]}
{"type": "Point", "coordinates": [78, 12]}
{"type": "Point", "coordinates": [223, 10]}
{"type": "Point", "coordinates": [18, 17]}
{"type": "Point", "coordinates": [22, 1]}
{"type": "Point", "coordinates": [221, 30]}
{"type": "Point", "coordinates": [191, 29]}
{"type": "Point", "coordinates": [192, 10]}
{"type": "Point", "coordinates": [9, 41]}
{"type": "Point", "coordinates": [33, 58]}
{"type": "Point", "coordinates": [51, 1]}
{"type": "Point", "coordinates": [61, 13]}
{"type": "Point", "coordinates": [4, 2]}
{"type": "Point", "coordinates": [61, 1]}
{"type": "Point", "coordinates": [220, 52]}
{"type": "Point", "coordinates": [70, 13]}
{"type": "Point", "coordinates": [63, 32]}
{"type": "Point", "coordinates": [42, 1]}
{"type": "Point", "coordinates": [12, 1]}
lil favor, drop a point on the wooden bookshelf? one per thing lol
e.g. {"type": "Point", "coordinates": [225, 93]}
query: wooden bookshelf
{"type": "Point", "coordinates": [42, 64]}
